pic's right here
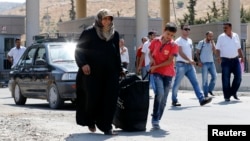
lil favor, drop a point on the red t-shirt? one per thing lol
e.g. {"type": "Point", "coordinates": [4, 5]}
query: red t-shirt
{"type": "Point", "coordinates": [138, 55]}
{"type": "Point", "coordinates": [161, 53]}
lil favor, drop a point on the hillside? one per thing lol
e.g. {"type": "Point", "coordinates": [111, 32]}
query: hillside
{"type": "Point", "coordinates": [9, 5]}
{"type": "Point", "coordinates": [59, 9]}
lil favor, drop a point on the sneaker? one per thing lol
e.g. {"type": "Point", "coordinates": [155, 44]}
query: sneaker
{"type": "Point", "coordinates": [205, 101]}
{"type": "Point", "coordinates": [176, 104]}
{"type": "Point", "coordinates": [211, 93]}
{"type": "Point", "coordinates": [155, 124]}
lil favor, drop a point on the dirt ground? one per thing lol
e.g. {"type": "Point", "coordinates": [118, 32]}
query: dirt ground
{"type": "Point", "coordinates": [34, 121]}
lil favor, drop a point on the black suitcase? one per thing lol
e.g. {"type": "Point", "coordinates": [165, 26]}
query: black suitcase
{"type": "Point", "coordinates": [133, 104]}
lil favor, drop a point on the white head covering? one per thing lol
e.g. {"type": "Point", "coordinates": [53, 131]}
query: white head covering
{"type": "Point", "coordinates": [109, 33]}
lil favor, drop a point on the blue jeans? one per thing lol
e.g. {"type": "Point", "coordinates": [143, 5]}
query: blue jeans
{"type": "Point", "coordinates": [208, 67]}
{"type": "Point", "coordinates": [188, 70]}
{"type": "Point", "coordinates": [144, 72]}
{"type": "Point", "coordinates": [150, 78]}
{"type": "Point", "coordinates": [163, 85]}
{"type": "Point", "coordinates": [229, 66]}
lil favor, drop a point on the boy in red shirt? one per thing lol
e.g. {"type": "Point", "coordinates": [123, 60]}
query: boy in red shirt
{"type": "Point", "coordinates": [162, 53]}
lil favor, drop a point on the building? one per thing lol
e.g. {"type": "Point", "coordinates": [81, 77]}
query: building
{"type": "Point", "coordinates": [11, 27]}
{"type": "Point", "coordinates": [124, 25]}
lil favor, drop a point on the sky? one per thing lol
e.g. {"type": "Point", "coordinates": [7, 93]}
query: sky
{"type": "Point", "coordinates": [21, 1]}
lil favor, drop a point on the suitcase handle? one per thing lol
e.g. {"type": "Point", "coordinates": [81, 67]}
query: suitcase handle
{"type": "Point", "coordinates": [145, 75]}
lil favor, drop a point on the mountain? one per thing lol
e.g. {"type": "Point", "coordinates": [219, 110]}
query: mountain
{"type": "Point", "coordinates": [9, 6]}
{"type": "Point", "coordinates": [58, 10]}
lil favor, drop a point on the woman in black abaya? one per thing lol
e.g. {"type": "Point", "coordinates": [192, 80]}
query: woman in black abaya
{"type": "Point", "coordinates": [97, 84]}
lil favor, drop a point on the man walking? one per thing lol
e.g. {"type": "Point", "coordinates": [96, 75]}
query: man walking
{"type": "Point", "coordinates": [138, 57]}
{"type": "Point", "coordinates": [16, 52]}
{"type": "Point", "coordinates": [185, 67]}
{"type": "Point", "coordinates": [124, 54]}
{"type": "Point", "coordinates": [204, 52]}
{"type": "Point", "coordinates": [163, 50]}
{"type": "Point", "coordinates": [145, 57]}
{"type": "Point", "coordinates": [229, 50]}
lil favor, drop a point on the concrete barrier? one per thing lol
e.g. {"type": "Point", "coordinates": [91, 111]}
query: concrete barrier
{"type": "Point", "coordinates": [245, 83]}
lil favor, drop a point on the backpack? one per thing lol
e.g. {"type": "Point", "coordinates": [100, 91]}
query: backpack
{"type": "Point", "coordinates": [196, 54]}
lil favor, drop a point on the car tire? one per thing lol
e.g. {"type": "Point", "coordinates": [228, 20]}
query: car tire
{"type": "Point", "coordinates": [55, 101]}
{"type": "Point", "coordinates": [17, 95]}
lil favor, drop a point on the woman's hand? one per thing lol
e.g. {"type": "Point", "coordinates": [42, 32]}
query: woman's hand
{"type": "Point", "coordinates": [86, 69]}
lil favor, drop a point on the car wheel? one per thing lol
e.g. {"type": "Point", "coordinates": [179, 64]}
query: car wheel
{"type": "Point", "coordinates": [18, 97]}
{"type": "Point", "coordinates": [55, 101]}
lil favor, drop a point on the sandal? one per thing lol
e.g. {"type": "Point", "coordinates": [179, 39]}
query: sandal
{"type": "Point", "coordinates": [92, 128]}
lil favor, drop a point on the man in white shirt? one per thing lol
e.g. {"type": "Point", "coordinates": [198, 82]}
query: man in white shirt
{"type": "Point", "coordinates": [124, 54]}
{"type": "Point", "coordinates": [16, 52]}
{"type": "Point", "coordinates": [145, 56]}
{"type": "Point", "coordinates": [185, 67]}
{"type": "Point", "coordinates": [229, 51]}
{"type": "Point", "coordinates": [138, 57]}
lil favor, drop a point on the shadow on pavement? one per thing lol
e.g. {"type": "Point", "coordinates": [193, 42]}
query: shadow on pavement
{"type": "Point", "coordinates": [181, 108]}
{"type": "Point", "coordinates": [158, 133]}
{"type": "Point", "coordinates": [45, 106]}
{"type": "Point", "coordinates": [229, 102]}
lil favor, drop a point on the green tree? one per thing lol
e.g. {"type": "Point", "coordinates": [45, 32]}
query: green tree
{"type": "Point", "coordinates": [191, 11]}
{"type": "Point", "coordinates": [247, 15]}
{"type": "Point", "coordinates": [214, 10]}
{"type": "Point", "coordinates": [224, 11]}
{"type": "Point", "coordinates": [190, 16]}
{"type": "Point", "coordinates": [200, 21]}
{"type": "Point", "coordinates": [209, 18]}
{"type": "Point", "coordinates": [184, 20]}
{"type": "Point", "coordinates": [217, 14]}
{"type": "Point", "coordinates": [242, 14]}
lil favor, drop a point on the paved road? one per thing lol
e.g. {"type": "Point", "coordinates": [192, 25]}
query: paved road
{"type": "Point", "coordinates": [186, 123]}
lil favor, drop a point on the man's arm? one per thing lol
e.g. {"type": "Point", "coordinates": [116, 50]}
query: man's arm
{"type": "Point", "coordinates": [218, 56]}
{"type": "Point", "coordinates": [241, 55]}
{"type": "Point", "coordinates": [10, 59]}
{"type": "Point", "coordinates": [165, 63]}
{"type": "Point", "coordinates": [217, 50]}
{"type": "Point", "coordinates": [10, 56]}
{"type": "Point", "coordinates": [213, 46]}
{"type": "Point", "coordinates": [183, 55]}
{"type": "Point", "coordinates": [127, 54]}
{"type": "Point", "coordinates": [140, 62]}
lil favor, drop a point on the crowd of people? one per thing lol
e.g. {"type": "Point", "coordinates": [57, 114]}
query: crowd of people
{"type": "Point", "coordinates": [162, 57]}
{"type": "Point", "coordinates": [101, 56]}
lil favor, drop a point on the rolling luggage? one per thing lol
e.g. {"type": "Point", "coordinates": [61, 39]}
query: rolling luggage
{"type": "Point", "coordinates": [133, 104]}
